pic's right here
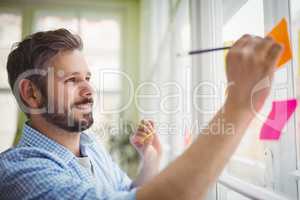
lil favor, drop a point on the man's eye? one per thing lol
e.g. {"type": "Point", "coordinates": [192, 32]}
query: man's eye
{"type": "Point", "coordinates": [88, 78]}
{"type": "Point", "coordinates": [71, 80]}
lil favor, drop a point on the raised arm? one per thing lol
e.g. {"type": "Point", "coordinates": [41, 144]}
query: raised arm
{"type": "Point", "coordinates": [189, 177]}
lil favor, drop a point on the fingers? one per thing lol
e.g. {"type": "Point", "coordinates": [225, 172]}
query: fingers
{"type": "Point", "coordinates": [268, 50]}
{"type": "Point", "coordinates": [265, 49]}
{"type": "Point", "coordinates": [242, 41]}
{"type": "Point", "coordinates": [145, 133]}
{"type": "Point", "coordinates": [152, 123]}
{"type": "Point", "coordinates": [273, 55]}
{"type": "Point", "coordinates": [146, 126]}
{"type": "Point", "coordinates": [144, 129]}
{"type": "Point", "coordinates": [148, 139]}
{"type": "Point", "coordinates": [141, 139]}
{"type": "Point", "coordinates": [262, 45]}
{"type": "Point", "coordinates": [237, 51]}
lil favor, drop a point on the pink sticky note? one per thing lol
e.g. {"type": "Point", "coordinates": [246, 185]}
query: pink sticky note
{"type": "Point", "coordinates": [279, 115]}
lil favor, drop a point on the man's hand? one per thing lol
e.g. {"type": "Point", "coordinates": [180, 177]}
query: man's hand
{"type": "Point", "coordinates": [146, 142]}
{"type": "Point", "coordinates": [251, 61]}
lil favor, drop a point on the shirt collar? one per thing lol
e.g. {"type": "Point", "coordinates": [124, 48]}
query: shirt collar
{"type": "Point", "coordinates": [85, 143]}
{"type": "Point", "coordinates": [34, 138]}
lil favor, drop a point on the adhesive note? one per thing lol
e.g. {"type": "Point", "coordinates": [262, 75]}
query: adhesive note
{"type": "Point", "coordinates": [281, 35]}
{"type": "Point", "coordinates": [277, 118]}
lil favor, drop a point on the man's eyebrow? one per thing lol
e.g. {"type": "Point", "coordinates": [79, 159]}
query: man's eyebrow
{"type": "Point", "coordinates": [78, 73]}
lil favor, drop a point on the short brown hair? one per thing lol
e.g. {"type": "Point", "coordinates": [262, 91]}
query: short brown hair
{"type": "Point", "coordinates": [36, 51]}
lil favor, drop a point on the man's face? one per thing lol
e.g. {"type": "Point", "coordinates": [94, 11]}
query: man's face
{"type": "Point", "coordinates": [69, 100]}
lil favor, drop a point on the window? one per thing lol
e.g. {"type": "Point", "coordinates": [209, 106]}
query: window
{"type": "Point", "coordinates": [182, 65]}
{"type": "Point", "coordinates": [258, 168]}
{"type": "Point", "coordinates": [155, 61]}
{"type": "Point", "coordinates": [261, 163]}
{"type": "Point", "coordinates": [10, 32]}
{"type": "Point", "coordinates": [166, 33]}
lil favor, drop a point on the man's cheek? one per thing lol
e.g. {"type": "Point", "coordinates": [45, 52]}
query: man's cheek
{"type": "Point", "coordinates": [57, 104]}
{"type": "Point", "coordinates": [70, 94]}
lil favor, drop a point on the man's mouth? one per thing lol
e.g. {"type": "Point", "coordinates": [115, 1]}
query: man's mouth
{"type": "Point", "coordinates": [84, 107]}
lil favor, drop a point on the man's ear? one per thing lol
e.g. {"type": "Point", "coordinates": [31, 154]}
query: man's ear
{"type": "Point", "coordinates": [30, 93]}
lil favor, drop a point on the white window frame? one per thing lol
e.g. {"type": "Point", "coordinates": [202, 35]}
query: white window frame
{"type": "Point", "coordinates": [206, 30]}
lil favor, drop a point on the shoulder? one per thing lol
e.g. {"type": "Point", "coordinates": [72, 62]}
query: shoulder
{"type": "Point", "coordinates": [22, 160]}
{"type": "Point", "coordinates": [32, 173]}
{"type": "Point", "coordinates": [26, 153]}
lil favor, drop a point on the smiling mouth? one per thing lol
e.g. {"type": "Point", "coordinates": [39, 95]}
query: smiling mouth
{"type": "Point", "coordinates": [85, 107]}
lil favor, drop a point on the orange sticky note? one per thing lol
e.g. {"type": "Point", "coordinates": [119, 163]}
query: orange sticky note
{"type": "Point", "coordinates": [281, 35]}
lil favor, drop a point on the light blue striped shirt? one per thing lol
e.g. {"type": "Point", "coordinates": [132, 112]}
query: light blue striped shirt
{"type": "Point", "coordinates": [40, 168]}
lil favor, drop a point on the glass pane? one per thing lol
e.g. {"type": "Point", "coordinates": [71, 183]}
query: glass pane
{"type": "Point", "coordinates": [54, 20]}
{"type": "Point", "coordinates": [10, 33]}
{"type": "Point", "coordinates": [97, 58]}
{"type": "Point", "coordinates": [104, 117]}
{"type": "Point", "coordinates": [8, 117]}
{"type": "Point", "coordinates": [101, 41]}
{"type": "Point", "coordinates": [10, 29]}
{"type": "Point", "coordinates": [3, 72]}
{"type": "Point", "coordinates": [183, 76]}
{"type": "Point", "coordinates": [103, 34]}
{"type": "Point", "coordinates": [101, 38]}
{"type": "Point", "coordinates": [248, 163]}
{"type": "Point", "coordinates": [249, 19]}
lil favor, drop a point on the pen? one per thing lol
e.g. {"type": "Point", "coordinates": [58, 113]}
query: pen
{"type": "Point", "coordinates": [208, 50]}
{"type": "Point", "coordinates": [146, 137]}
{"type": "Point", "coordinates": [199, 51]}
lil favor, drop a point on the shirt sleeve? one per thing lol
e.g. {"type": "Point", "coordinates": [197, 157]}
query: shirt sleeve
{"type": "Point", "coordinates": [122, 195]}
{"type": "Point", "coordinates": [125, 189]}
{"type": "Point", "coordinates": [42, 179]}
{"type": "Point", "coordinates": [124, 182]}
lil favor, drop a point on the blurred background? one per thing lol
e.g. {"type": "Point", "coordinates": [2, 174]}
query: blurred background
{"type": "Point", "coordinates": [143, 39]}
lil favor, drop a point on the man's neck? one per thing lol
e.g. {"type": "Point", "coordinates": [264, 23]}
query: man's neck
{"type": "Point", "coordinates": [70, 140]}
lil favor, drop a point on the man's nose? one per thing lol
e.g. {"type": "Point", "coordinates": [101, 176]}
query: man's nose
{"type": "Point", "coordinates": [86, 90]}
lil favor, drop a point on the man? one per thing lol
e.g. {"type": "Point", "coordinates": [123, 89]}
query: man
{"type": "Point", "coordinates": [55, 159]}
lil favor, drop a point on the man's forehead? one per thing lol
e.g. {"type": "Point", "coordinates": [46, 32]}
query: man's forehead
{"type": "Point", "coordinates": [70, 63]}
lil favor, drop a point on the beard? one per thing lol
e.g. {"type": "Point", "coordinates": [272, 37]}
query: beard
{"type": "Point", "coordinates": [68, 120]}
